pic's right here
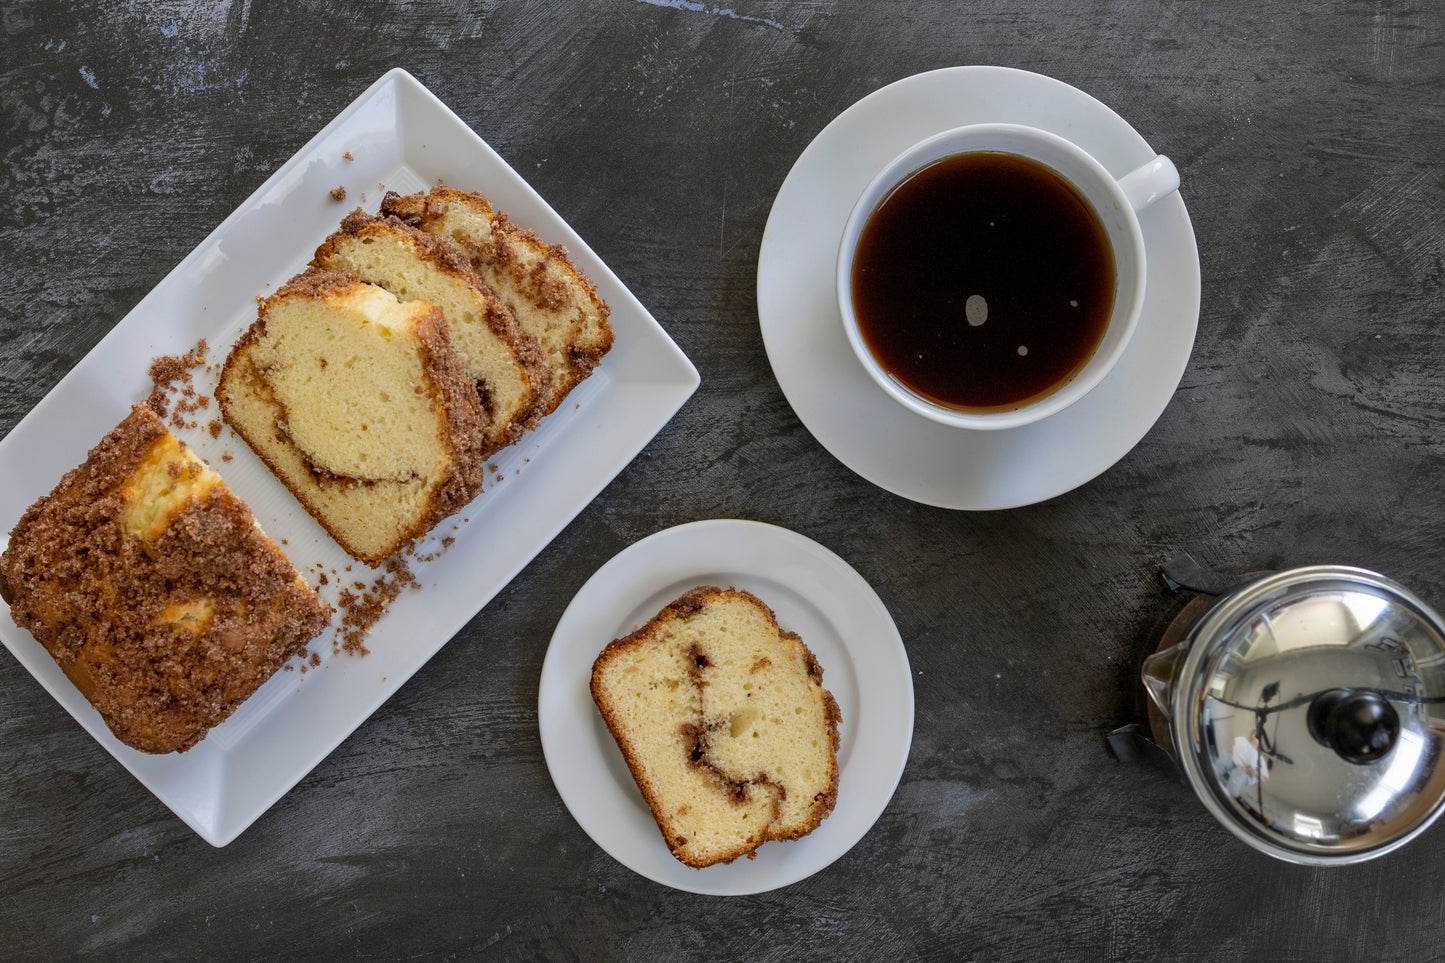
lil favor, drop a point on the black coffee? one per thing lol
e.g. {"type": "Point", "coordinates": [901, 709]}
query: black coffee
{"type": "Point", "coordinates": [983, 282]}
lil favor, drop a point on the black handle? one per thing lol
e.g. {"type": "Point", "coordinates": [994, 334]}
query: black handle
{"type": "Point", "coordinates": [1359, 725]}
{"type": "Point", "coordinates": [1183, 572]}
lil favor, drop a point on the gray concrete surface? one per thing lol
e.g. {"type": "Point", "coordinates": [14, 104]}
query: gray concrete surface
{"type": "Point", "coordinates": [1306, 429]}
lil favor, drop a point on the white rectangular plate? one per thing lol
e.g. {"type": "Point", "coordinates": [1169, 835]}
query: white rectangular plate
{"type": "Point", "coordinates": [398, 135]}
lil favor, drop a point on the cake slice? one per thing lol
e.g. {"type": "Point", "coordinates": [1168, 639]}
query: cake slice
{"type": "Point", "coordinates": [506, 362]}
{"type": "Point", "coordinates": [723, 720]}
{"type": "Point", "coordinates": [549, 295]}
{"type": "Point", "coordinates": [358, 404]}
{"type": "Point", "coordinates": [154, 589]}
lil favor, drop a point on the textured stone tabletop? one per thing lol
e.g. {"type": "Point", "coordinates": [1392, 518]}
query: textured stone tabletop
{"type": "Point", "coordinates": [1306, 428]}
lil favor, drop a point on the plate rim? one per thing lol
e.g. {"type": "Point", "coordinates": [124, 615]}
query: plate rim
{"type": "Point", "coordinates": [561, 672]}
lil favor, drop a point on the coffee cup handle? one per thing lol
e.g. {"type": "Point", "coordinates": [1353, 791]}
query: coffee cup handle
{"type": "Point", "coordinates": [1149, 181]}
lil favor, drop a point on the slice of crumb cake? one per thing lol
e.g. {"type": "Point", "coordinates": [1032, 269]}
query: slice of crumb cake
{"type": "Point", "coordinates": [723, 720]}
{"type": "Point", "coordinates": [358, 404]}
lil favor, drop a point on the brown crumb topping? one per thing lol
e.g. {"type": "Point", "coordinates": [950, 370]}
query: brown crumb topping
{"type": "Point", "coordinates": [165, 633]}
{"type": "Point", "coordinates": [318, 284]}
{"type": "Point", "coordinates": [361, 609]}
{"type": "Point", "coordinates": [171, 379]}
{"type": "Point", "coordinates": [363, 604]}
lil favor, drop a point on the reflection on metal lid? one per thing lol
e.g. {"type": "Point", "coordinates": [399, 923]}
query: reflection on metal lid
{"type": "Point", "coordinates": [1310, 714]}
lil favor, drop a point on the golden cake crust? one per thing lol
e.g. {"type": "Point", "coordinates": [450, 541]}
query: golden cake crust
{"type": "Point", "coordinates": [168, 629]}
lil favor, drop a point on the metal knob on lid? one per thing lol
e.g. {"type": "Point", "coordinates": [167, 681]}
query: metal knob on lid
{"type": "Point", "coordinates": [1359, 725]}
{"type": "Point", "coordinates": [1308, 713]}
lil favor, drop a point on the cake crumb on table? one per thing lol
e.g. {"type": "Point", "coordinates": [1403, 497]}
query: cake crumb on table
{"type": "Point", "coordinates": [338, 193]}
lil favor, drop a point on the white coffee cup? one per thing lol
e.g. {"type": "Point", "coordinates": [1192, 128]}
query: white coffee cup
{"type": "Point", "coordinates": [1114, 201]}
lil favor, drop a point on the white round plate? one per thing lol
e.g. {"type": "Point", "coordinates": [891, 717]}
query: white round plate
{"type": "Point", "coordinates": [825, 383]}
{"type": "Point", "coordinates": [815, 594]}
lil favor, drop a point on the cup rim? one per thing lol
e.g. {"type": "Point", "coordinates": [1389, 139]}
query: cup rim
{"type": "Point", "coordinates": [922, 154]}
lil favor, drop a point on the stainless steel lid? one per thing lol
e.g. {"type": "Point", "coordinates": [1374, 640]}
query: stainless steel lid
{"type": "Point", "coordinates": [1309, 714]}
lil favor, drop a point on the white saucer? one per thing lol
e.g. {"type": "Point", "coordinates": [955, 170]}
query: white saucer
{"type": "Point", "coordinates": [849, 414]}
{"type": "Point", "coordinates": [814, 593]}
